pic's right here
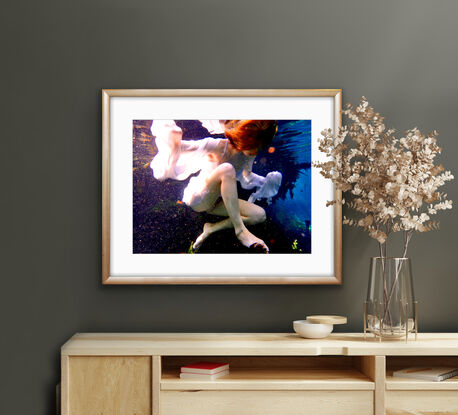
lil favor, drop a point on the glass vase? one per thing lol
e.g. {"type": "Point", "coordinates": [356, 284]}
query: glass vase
{"type": "Point", "coordinates": [390, 310]}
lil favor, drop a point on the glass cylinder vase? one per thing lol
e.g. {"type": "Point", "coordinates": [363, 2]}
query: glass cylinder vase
{"type": "Point", "coordinates": [390, 310]}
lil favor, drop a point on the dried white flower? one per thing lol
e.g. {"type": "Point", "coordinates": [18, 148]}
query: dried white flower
{"type": "Point", "coordinates": [393, 183]}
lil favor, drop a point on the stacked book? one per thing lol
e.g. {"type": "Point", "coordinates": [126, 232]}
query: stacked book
{"type": "Point", "coordinates": [433, 374]}
{"type": "Point", "coordinates": [204, 371]}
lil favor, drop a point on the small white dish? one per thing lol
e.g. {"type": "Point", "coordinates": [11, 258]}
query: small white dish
{"type": "Point", "coordinates": [312, 330]}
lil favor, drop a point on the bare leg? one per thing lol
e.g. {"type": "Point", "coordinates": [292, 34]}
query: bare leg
{"type": "Point", "coordinates": [222, 182]}
{"type": "Point", "coordinates": [251, 215]}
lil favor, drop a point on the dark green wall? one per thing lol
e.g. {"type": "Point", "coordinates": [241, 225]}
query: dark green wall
{"type": "Point", "coordinates": [56, 56]}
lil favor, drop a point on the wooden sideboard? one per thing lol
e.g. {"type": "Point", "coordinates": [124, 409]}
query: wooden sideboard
{"type": "Point", "coordinates": [270, 374]}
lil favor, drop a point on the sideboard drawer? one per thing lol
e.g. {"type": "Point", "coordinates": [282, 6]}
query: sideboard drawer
{"type": "Point", "coordinates": [100, 385]}
{"type": "Point", "coordinates": [419, 402]}
{"type": "Point", "coordinates": [267, 402]}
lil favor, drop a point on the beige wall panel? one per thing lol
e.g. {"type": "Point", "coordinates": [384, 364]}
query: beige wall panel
{"type": "Point", "coordinates": [267, 403]}
{"type": "Point", "coordinates": [109, 385]}
{"type": "Point", "coordinates": [422, 402]}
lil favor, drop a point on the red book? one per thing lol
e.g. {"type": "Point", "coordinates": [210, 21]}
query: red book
{"type": "Point", "coordinates": [206, 368]}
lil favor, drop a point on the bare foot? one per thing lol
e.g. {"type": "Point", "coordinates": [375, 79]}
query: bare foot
{"type": "Point", "coordinates": [204, 235]}
{"type": "Point", "coordinates": [250, 241]}
{"type": "Point", "coordinates": [259, 249]}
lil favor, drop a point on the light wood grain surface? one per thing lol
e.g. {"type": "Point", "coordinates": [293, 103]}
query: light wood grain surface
{"type": "Point", "coordinates": [421, 403]}
{"type": "Point", "coordinates": [256, 344]}
{"type": "Point", "coordinates": [222, 92]}
{"type": "Point", "coordinates": [271, 374]}
{"type": "Point", "coordinates": [395, 383]}
{"type": "Point", "coordinates": [106, 153]}
{"type": "Point", "coordinates": [327, 319]}
{"type": "Point", "coordinates": [109, 385]}
{"type": "Point", "coordinates": [267, 403]}
{"type": "Point", "coordinates": [64, 385]}
{"type": "Point", "coordinates": [156, 384]}
{"type": "Point", "coordinates": [274, 379]}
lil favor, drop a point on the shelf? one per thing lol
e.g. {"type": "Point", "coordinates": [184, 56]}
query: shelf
{"type": "Point", "coordinates": [273, 379]}
{"type": "Point", "coordinates": [402, 362]}
{"type": "Point", "coordinates": [395, 383]}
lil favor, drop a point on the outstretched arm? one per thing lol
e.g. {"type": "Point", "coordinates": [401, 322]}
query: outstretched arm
{"type": "Point", "coordinates": [248, 179]}
{"type": "Point", "coordinates": [266, 187]}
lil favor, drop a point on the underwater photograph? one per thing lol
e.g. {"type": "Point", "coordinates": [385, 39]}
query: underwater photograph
{"type": "Point", "coordinates": [221, 186]}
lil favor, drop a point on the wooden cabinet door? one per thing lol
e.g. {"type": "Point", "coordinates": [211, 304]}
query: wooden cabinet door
{"type": "Point", "coordinates": [108, 385]}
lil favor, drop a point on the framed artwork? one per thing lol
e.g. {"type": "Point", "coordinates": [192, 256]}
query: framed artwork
{"type": "Point", "coordinates": [218, 187]}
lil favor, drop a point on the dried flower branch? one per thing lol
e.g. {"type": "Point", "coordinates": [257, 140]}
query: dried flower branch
{"type": "Point", "coordinates": [392, 183]}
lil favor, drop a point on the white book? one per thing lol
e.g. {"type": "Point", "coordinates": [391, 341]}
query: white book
{"type": "Point", "coordinates": [433, 374]}
{"type": "Point", "coordinates": [207, 368]}
{"type": "Point", "coordinates": [199, 376]}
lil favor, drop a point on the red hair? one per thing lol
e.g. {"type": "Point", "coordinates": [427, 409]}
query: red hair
{"type": "Point", "coordinates": [250, 134]}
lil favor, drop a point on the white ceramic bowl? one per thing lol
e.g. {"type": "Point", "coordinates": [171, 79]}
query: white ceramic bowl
{"type": "Point", "coordinates": [312, 330]}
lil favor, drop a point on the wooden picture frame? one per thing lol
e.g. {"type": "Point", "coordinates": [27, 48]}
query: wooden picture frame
{"type": "Point", "coordinates": [121, 265]}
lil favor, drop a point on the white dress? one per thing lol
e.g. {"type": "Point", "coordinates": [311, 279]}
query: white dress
{"type": "Point", "coordinates": [178, 162]}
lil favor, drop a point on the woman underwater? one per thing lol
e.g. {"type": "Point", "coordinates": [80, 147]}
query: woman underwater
{"type": "Point", "coordinates": [222, 162]}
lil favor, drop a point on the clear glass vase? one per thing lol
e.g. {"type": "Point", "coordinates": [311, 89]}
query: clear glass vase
{"type": "Point", "coordinates": [390, 310]}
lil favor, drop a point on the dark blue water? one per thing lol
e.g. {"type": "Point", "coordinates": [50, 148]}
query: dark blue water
{"type": "Point", "coordinates": [291, 208]}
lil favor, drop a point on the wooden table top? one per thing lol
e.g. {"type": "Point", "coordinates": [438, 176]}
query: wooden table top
{"type": "Point", "coordinates": [256, 344]}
